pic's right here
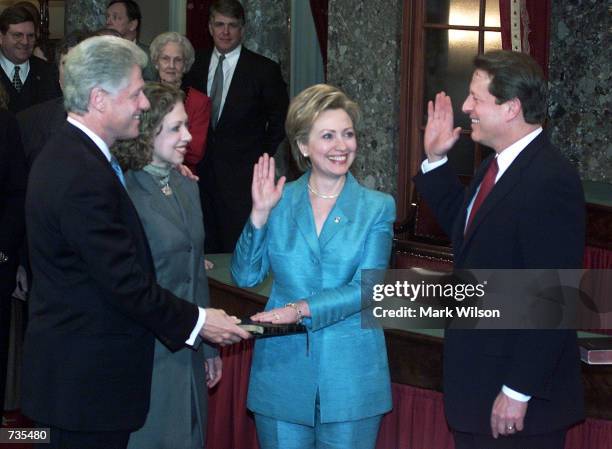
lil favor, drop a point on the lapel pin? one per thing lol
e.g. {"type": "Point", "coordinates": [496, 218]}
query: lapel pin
{"type": "Point", "coordinates": [337, 220]}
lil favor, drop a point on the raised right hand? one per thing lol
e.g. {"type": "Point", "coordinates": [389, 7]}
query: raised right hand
{"type": "Point", "coordinates": [221, 328]}
{"type": "Point", "coordinates": [264, 191]}
{"type": "Point", "coordinates": [439, 133]}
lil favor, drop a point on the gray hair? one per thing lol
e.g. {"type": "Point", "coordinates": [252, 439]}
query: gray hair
{"type": "Point", "coordinates": [101, 61]}
{"type": "Point", "coordinates": [160, 42]}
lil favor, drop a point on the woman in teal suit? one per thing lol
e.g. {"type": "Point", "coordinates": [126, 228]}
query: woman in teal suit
{"type": "Point", "coordinates": [330, 387]}
{"type": "Point", "coordinates": [168, 205]}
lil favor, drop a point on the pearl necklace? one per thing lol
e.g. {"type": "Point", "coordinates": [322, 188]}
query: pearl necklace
{"type": "Point", "coordinates": [322, 195]}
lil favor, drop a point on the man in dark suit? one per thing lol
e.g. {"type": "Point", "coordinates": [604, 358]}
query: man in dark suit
{"type": "Point", "coordinates": [12, 229]}
{"type": "Point", "coordinates": [27, 79]}
{"type": "Point", "coordinates": [95, 307]}
{"type": "Point", "coordinates": [39, 122]}
{"type": "Point", "coordinates": [124, 16]}
{"type": "Point", "coordinates": [523, 210]}
{"type": "Point", "coordinates": [249, 102]}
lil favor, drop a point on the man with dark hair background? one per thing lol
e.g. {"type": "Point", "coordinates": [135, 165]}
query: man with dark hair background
{"type": "Point", "coordinates": [124, 16]}
{"type": "Point", "coordinates": [38, 123]}
{"type": "Point", "coordinates": [249, 105]}
{"type": "Point", "coordinates": [524, 209]}
{"type": "Point", "coordinates": [28, 80]}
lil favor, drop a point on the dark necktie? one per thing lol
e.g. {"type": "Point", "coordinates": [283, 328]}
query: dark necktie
{"type": "Point", "coordinates": [216, 91]}
{"type": "Point", "coordinates": [17, 80]}
{"type": "Point", "coordinates": [485, 188]}
{"type": "Point", "coordinates": [117, 168]}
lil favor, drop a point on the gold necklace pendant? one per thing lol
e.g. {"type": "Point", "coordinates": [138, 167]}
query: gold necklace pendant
{"type": "Point", "coordinates": [167, 190]}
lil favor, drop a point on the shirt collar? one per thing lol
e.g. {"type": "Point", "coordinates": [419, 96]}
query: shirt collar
{"type": "Point", "coordinates": [93, 136]}
{"type": "Point", "coordinates": [8, 66]}
{"type": "Point", "coordinates": [507, 156]}
{"type": "Point", "coordinates": [231, 55]}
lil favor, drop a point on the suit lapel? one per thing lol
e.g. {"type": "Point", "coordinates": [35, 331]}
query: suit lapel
{"type": "Point", "coordinates": [301, 212]}
{"type": "Point", "coordinates": [8, 84]}
{"type": "Point", "coordinates": [205, 70]}
{"type": "Point", "coordinates": [184, 205]}
{"type": "Point", "coordinates": [503, 187]}
{"type": "Point", "coordinates": [459, 228]}
{"type": "Point", "coordinates": [234, 93]}
{"type": "Point", "coordinates": [158, 202]}
{"type": "Point", "coordinates": [342, 213]}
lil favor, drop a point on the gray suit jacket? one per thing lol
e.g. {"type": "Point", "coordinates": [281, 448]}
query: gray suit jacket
{"type": "Point", "coordinates": [173, 225]}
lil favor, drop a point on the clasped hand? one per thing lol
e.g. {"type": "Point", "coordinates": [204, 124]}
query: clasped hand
{"type": "Point", "coordinates": [222, 329]}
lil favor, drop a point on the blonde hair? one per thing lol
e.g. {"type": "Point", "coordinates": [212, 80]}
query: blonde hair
{"type": "Point", "coordinates": [304, 110]}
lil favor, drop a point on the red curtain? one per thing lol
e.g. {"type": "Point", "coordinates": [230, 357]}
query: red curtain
{"type": "Point", "coordinates": [598, 258]}
{"type": "Point", "coordinates": [417, 420]}
{"type": "Point", "coordinates": [197, 24]}
{"type": "Point", "coordinates": [319, 10]}
{"type": "Point", "coordinates": [526, 27]}
{"type": "Point", "coordinates": [230, 424]}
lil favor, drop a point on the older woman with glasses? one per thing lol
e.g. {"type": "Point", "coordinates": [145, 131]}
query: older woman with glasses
{"type": "Point", "coordinates": [172, 56]}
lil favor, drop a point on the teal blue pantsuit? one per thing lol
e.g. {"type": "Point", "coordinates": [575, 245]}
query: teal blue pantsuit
{"type": "Point", "coordinates": [342, 374]}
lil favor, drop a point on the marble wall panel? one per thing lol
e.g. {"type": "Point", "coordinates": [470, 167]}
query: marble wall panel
{"type": "Point", "coordinates": [364, 61]}
{"type": "Point", "coordinates": [267, 30]}
{"type": "Point", "coordinates": [580, 85]}
{"type": "Point", "coordinates": [84, 14]}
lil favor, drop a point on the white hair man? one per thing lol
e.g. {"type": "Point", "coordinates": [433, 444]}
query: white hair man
{"type": "Point", "coordinates": [95, 306]}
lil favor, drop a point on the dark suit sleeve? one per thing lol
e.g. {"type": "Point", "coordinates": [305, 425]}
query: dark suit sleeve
{"type": "Point", "coordinates": [12, 186]}
{"type": "Point", "coordinates": [443, 192]}
{"type": "Point", "coordinates": [275, 104]}
{"type": "Point", "coordinates": [92, 222]}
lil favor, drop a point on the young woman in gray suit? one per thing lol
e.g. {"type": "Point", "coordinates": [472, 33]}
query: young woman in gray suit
{"type": "Point", "coordinates": [168, 205]}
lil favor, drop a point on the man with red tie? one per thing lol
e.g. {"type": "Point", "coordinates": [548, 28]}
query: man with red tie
{"type": "Point", "coordinates": [524, 209]}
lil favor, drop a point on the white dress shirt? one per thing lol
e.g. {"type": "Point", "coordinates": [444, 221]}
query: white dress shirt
{"type": "Point", "coordinates": [504, 160]}
{"type": "Point", "coordinates": [9, 68]}
{"type": "Point", "coordinates": [107, 154]}
{"type": "Point", "coordinates": [229, 66]}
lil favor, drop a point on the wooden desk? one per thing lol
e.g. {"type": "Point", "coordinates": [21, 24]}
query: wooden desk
{"type": "Point", "coordinates": [415, 358]}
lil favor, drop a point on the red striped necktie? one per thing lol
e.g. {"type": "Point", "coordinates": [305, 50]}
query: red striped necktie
{"type": "Point", "coordinates": [485, 188]}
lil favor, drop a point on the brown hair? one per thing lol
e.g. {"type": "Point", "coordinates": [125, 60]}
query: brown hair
{"type": "Point", "coordinates": [134, 154]}
{"type": "Point", "coordinates": [516, 75]}
{"type": "Point", "coordinates": [14, 15]}
{"type": "Point", "coordinates": [229, 8]}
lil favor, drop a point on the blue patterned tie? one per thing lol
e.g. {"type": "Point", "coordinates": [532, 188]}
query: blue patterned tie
{"type": "Point", "coordinates": [17, 84]}
{"type": "Point", "coordinates": [117, 168]}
